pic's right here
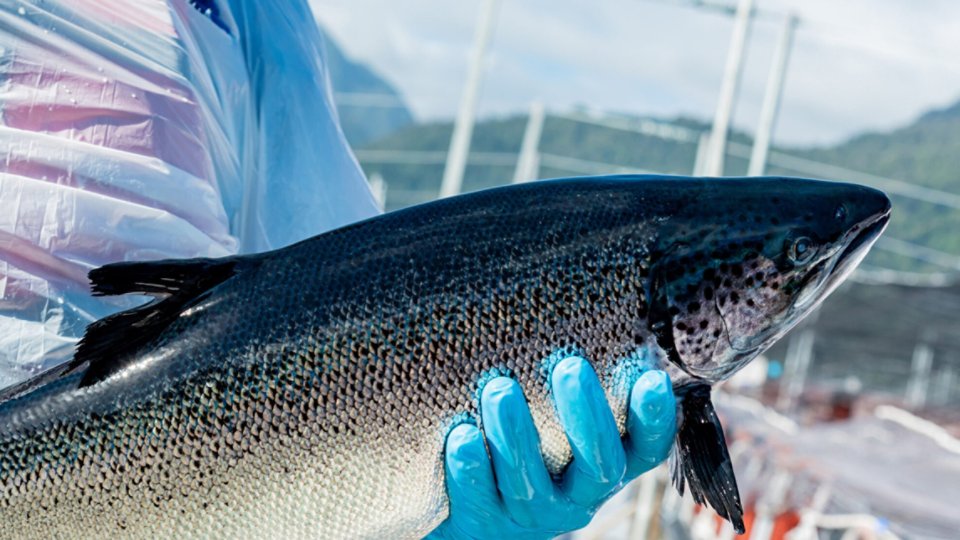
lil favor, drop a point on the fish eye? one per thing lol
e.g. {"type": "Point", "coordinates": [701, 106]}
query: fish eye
{"type": "Point", "coordinates": [801, 250]}
{"type": "Point", "coordinates": [841, 213]}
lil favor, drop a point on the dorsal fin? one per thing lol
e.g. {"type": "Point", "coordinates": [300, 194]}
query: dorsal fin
{"type": "Point", "coordinates": [111, 343]}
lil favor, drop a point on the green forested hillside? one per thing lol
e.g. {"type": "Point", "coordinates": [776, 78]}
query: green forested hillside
{"type": "Point", "coordinates": [926, 153]}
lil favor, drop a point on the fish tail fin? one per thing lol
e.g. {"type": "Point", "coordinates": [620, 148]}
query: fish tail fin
{"type": "Point", "coordinates": [700, 458]}
{"type": "Point", "coordinates": [109, 343]}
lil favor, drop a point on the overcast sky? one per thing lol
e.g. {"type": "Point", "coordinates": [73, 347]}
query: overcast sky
{"type": "Point", "coordinates": [857, 64]}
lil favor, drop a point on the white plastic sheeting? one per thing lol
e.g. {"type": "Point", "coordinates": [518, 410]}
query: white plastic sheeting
{"type": "Point", "coordinates": [139, 130]}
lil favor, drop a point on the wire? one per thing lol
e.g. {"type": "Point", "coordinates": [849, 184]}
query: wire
{"type": "Point", "coordinates": [368, 99]}
{"type": "Point", "coordinates": [916, 251]}
{"type": "Point", "coordinates": [724, 8]}
{"type": "Point", "coordinates": [824, 170]}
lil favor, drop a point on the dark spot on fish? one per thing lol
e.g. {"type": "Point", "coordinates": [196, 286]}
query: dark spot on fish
{"type": "Point", "coordinates": [709, 274]}
{"type": "Point", "coordinates": [748, 282]}
{"type": "Point", "coordinates": [674, 311]}
{"type": "Point", "coordinates": [704, 324]}
{"type": "Point", "coordinates": [750, 302]}
{"type": "Point", "coordinates": [737, 270]}
{"type": "Point", "coordinates": [681, 326]}
{"type": "Point", "coordinates": [716, 333]}
{"type": "Point", "coordinates": [693, 306]}
{"type": "Point", "coordinates": [774, 285]}
{"type": "Point", "coordinates": [734, 297]}
{"type": "Point", "coordinates": [708, 293]}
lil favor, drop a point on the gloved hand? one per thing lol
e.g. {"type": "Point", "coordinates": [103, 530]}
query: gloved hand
{"type": "Point", "coordinates": [508, 493]}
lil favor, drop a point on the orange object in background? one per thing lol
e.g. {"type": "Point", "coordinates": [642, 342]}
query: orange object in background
{"type": "Point", "coordinates": [784, 523]}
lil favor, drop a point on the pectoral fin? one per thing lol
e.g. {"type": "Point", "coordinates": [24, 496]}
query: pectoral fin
{"type": "Point", "coordinates": [700, 458]}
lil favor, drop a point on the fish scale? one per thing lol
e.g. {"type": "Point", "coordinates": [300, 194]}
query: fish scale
{"type": "Point", "coordinates": [307, 392]}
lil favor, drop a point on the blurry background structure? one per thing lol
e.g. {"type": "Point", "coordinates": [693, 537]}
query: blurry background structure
{"type": "Point", "coordinates": [848, 427]}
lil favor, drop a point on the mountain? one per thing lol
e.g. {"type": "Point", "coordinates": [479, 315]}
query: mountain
{"type": "Point", "coordinates": [925, 153]}
{"type": "Point", "coordinates": [355, 88]}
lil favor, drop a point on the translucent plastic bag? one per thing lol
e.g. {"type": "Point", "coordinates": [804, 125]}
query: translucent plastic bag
{"type": "Point", "coordinates": [150, 129]}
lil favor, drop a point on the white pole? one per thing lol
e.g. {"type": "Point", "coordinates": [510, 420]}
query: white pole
{"type": "Point", "coordinates": [645, 506]}
{"type": "Point", "coordinates": [799, 354]}
{"type": "Point", "coordinates": [729, 88]}
{"type": "Point", "coordinates": [378, 186]}
{"type": "Point", "coordinates": [771, 98]}
{"type": "Point", "coordinates": [703, 148]}
{"type": "Point", "coordinates": [807, 529]}
{"type": "Point", "coordinates": [463, 127]}
{"type": "Point", "coordinates": [768, 505]}
{"type": "Point", "coordinates": [528, 164]}
{"type": "Point", "coordinates": [670, 505]}
{"type": "Point", "coordinates": [946, 386]}
{"type": "Point", "coordinates": [920, 369]}
{"type": "Point", "coordinates": [685, 511]}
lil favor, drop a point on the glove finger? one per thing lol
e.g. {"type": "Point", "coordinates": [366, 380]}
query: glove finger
{"type": "Point", "coordinates": [599, 461]}
{"type": "Point", "coordinates": [527, 491]}
{"type": "Point", "coordinates": [474, 500]}
{"type": "Point", "coordinates": [651, 422]}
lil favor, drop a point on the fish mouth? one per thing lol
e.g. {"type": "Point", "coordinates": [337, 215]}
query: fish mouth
{"type": "Point", "coordinates": [858, 241]}
{"type": "Point", "coordinates": [865, 233]}
{"type": "Point", "coordinates": [861, 238]}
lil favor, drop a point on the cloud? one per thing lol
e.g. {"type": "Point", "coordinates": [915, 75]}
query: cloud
{"type": "Point", "coordinates": [856, 65]}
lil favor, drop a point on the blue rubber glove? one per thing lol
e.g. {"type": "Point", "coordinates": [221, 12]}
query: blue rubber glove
{"type": "Point", "coordinates": [508, 493]}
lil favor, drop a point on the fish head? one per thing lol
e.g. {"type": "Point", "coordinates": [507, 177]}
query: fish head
{"type": "Point", "coordinates": [742, 265]}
